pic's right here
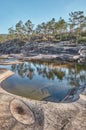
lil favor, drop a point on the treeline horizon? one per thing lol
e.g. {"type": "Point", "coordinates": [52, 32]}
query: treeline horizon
{"type": "Point", "coordinates": [54, 31]}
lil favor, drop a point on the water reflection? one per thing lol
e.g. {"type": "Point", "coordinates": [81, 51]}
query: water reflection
{"type": "Point", "coordinates": [58, 82]}
{"type": "Point", "coordinates": [74, 73]}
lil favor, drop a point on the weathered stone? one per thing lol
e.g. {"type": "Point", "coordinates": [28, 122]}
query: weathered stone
{"type": "Point", "coordinates": [82, 52]}
{"type": "Point", "coordinates": [22, 112]}
{"type": "Point", "coordinates": [5, 74]}
{"type": "Point", "coordinates": [71, 53]}
{"type": "Point", "coordinates": [76, 57]}
{"type": "Point", "coordinates": [13, 46]}
{"type": "Point", "coordinates": [10, 62]}
{"type": "Point", "coordinates": [3, 56]}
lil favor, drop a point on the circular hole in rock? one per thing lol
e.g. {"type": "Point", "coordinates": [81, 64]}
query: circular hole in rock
{"type": "Point", "coordinates": [22, 112]}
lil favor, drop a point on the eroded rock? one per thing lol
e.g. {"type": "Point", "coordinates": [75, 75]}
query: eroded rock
{"type": "Point", "coordinates": [22, 112]}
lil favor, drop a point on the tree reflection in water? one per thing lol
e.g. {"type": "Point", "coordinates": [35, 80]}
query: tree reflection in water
{"type": "Point", "coordinates": [73, 72]}
{"type": "Point", "coordinates": [73, 75]}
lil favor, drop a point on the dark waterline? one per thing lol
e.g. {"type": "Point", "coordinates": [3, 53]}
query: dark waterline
{"type": "Point", "coordinates": [57, 82]}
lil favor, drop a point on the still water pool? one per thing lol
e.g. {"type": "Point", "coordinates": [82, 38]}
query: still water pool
{"type": "Point", "coordinates": [56, 82]}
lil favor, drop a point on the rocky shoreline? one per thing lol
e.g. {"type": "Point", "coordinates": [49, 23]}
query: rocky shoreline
{"type": "Point", "coordinates": [45, 51]}
{"type": "Point", "coordinates": [17, 113]}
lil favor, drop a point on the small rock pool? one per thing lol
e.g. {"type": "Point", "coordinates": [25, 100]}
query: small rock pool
{"type": "Point", "coordinates": [47, 81]}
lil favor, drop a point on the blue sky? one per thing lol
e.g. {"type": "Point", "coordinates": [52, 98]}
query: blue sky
{"type": "Point", "coordinates": [11, 11]}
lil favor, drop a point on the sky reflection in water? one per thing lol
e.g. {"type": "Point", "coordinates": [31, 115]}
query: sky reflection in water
{"type": "Point", "coordinates": [57, 82]}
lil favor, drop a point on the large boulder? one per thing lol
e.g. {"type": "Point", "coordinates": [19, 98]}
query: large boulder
{"type": "Point", "coordinates": [82, 52]}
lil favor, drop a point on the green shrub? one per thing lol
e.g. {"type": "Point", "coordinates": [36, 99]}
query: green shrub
{"type": "Point", "coordinates": [82, 40]}
{"type": "Point", "coordinates": [83, 34]}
